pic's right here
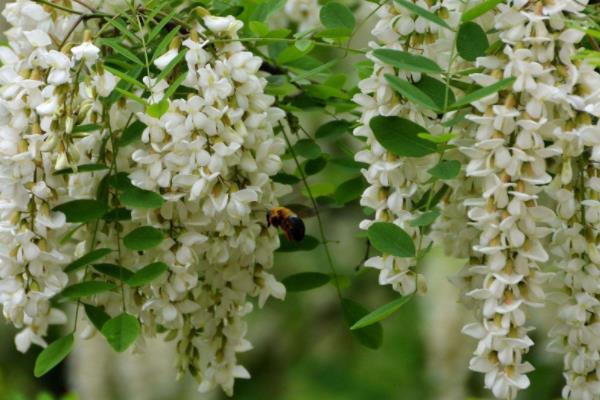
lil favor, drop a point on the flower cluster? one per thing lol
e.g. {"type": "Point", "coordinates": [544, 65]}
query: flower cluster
{"type": "Point", "coordinates": [529, 183]}
{"type": "Point", "coordinates": [205, 160]}
{"type": "Point", "coordinates": [396, 184]}
{"type": "Point", "coordinates": [211, 155]}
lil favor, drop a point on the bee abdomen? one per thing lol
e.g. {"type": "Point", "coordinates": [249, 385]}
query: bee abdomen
{"type": "Point", "coordinates": [294, 229]}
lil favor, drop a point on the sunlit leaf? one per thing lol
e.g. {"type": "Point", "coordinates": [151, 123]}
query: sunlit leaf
{"type": "Point", "coordinates": [121, 331]}
{"type": "Point", "coordinates": [87, 259]}
{"type": "Point", "coordinates": [381, 313]}
{"type": "Point", "coordinates": [305, 281]}
{"type": "Point", "coordinates": [390, 239]}
{"type": "Point", "coordinates": [52, 355]}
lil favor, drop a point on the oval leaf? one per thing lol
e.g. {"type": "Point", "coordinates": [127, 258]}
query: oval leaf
{"type": "Point", "coordinates": [421, 12]}
{"type": "Point", "coordinates": [370, 336]}
{"type": "Point", "coordinates": [381, 313]}
{"type": "Point", "coordinates": [114, 271]}
{"type": "Point", "coordinates": [389, 238]}
{"type": "Point", "coordinates": [407, 61]}
{"type": "Point", "coordinates": [305, 281]}
{"type": "Point", "coordinates": [350, 190]}
{"type": "Point", "coordinates": [445, 169]}
{"type": "Point", "coordinates": [333, 129]}
{"type": "Point", "coordinates": [307, 148]}
{"type": "Point", "coordinates": [96, 315]}
{"type": "Point", "coordinates": [134, 197]}
{"type": "Point", "coordinates": [85, 289]}
{"type": "Point", "coordinates": [481, 93]}
{"type": "Point", "coordinates": [143, 238]}
{"type": "Point", "coordinates": [52, 355]}
{"type": "Point", "coordinates": [121, 331]}
{"type": "Point", "coordinates": [479, 10]}
{"type": "Point", "coordinates": [83, 210]}
{"type": "Point", "coordinates": [426, 219]}
{"type": "Point", "coordinates": [471, 41]}
{"type": "Point", "coordinates": [87, 259]}
{"type": "Point", "coordinates": [411, 92]}
{"type": "Point", "coordinates": [400, 136]}
{"type": "Point", "coordinates": [147, 274]}
{"type": "Point", "coordinates": [337, 16]}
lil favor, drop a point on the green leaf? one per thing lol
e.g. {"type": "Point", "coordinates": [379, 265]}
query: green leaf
{"type": "Point", "coordinates": [307, 244]}
{"type": "Point", "coordinates": [370, 336]}
{"type": "Point", "coordinates": [304, 45]}
{"type": "Point", "coordinates": [439, 139]}
{"type": "Point", "coordinates": [292, 53]}
{"type": "Point", "coordinates": [381, 313]}
{"type": "Point", "coordinates": [364, 68]}
{"type": "Point", "coordinates": [114, 271]}
{"type": "Point", "coordinates": [426, 219]}
{"type": "Point", "coordinates": [124, 76]}
{"type": "Point", "coordinates": [87, 259]}
{"type": "Point", "coordinates": [143, 238]}
{"type": "Point", "coordinates": [83, 210]}
{"type": "Point", "coordinates": [445, 169]}
{"type": "Point", "coordinates": [159, 109]}
{"type": "Point", "coordinates": [96, 315]}
{"type": "Point", "coordinates": [258, 27]}
{"type": "Point", "coordinates": [131, 134]}
{"type": "Point", "coordinates": [471, 41]}
{"type": "Point", "coordinates": [121, 331]}
{"type": "Point", "coordinates": [120, 181]}
{"type": "Point", "coordinates": [411, 92]}
{"type": "Point", "coordinates": [86, 128]}
{"type": "Point", "coordinates": [407, 61]}
{"type": "Point", "coordinates": [479, 10]}
{"type": "Point", "coordinates": [305, 281]}
{"type": "Point", "coordinates": [333, 129]}
{"type": "Point", "coordinates": [86, 289]}
{"type": "Point", "coordinates": [175, 85]}
{"type": "Point", "coordinates": [337, 16]}
{"type": "Point", "coordinates": [134, 197]}
{"type": "Point", "coordinates": [390, 239]}
{"type": "Point", "coordinates": [159, 27]}
{"type": "Point", "coordinates": [52, 355]}
{"type": "Point", "coordinates": [441, 95]}
{"type": "Point", "coordinates": [421, 12]}
{"type": "Point", "coordinates": [286, 179]}
{"type": "Point", "coordinates": [307, 148]}
{"type": "Point", "coordinates": [147, 274]}
{"type": "Point", "coordinates": [122, 50]}
{"type": "Point", "coordinates": [350, 190]}
{"type": "Point", "coordinates": [131, 96]}
{"type": "Point", "coordinates": [117, 214]}
{"type": "Point", "coordinates": [314, 166]}
{"type": "Point", "coordinates": [81, 168]}
{"type": "Point", "coordinates": [121, 27]}
{"type": "Point", "coordinates": [481, 93]}
{"type": "Point", "coordinates": [400, 136]}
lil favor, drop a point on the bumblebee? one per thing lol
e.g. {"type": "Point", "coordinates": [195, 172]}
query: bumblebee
{"type": "Point", "coordinates": [290, 223]}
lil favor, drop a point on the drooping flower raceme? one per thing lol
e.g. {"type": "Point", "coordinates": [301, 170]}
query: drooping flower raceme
{"type": "Point", "coordinates": [191, 172]}
{"type": "Point", "coordinates": [396, 184]}
{"type": "Point", "coordinates": [212, 155]}
{"type": "Point", "coordinates": [519, 134]}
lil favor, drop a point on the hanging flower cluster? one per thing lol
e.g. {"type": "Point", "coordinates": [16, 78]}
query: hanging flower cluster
{"type": "Point", "coordinates": [527, 195]}
{"type": "Point", "coordinates": [146, 205]}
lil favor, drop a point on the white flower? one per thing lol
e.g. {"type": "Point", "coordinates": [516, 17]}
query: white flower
{"type": "Point", "coordinates": [86, 51]}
